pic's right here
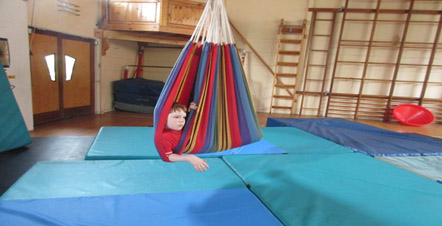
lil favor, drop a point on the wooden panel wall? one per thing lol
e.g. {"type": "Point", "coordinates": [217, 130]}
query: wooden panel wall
{"type": "Point", "coordinates": [182, 13]}
{"type": "Point", "coordinates": [170, 16]}
{"type": "Point", "coordinates": [133, 15]}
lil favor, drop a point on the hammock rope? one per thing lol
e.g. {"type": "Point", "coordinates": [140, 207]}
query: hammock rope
{"type": "Point", "coordinates": [209, 73]}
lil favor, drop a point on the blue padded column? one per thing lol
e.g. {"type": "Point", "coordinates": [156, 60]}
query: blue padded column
{"type": "Point", "coordinates": [13, 133]}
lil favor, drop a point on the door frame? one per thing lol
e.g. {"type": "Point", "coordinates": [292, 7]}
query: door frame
{"type": "Point", "coordinates": [63, 113]}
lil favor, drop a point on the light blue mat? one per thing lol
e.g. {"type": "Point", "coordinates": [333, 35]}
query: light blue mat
{"type": "Point", "coordinates": [340, 189]}
{"type": "Point", "coordinates": [116, 177]}
{"type": "Point", "coordinates": [260, 147]}
{"type": "Point", "coordinates": [137, 143]}
{"type": "Point", "coordinates": [211, 207]}
{"type": "Point", "coordinates": [428, 166]}
{"type": "Point", "coordinates": [123, 143]}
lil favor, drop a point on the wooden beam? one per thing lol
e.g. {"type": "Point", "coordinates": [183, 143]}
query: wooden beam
{"type": "Point", "coordinates": [327, 63]}
{"type": "Point", "coordinates": [390, 11]}
{"type": "Point", "coordinates": [104, 46]}
{"type": "Point", "coordinates": [142, 37]}
{"type": "Point", "coordinates": [430, 63]}
{"type": "Point", "coordinates": [308, 58]}
{"type": "Point", "coordinates": [398, 61]}
{"type": "Point", "coordinates": [367, 56]}
{"type": "Point", "coordinates": [341, 31]}
{"type": "Point", "coordinates": [253, 49]}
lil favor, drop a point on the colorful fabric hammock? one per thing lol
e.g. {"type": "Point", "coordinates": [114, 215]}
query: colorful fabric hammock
{"type": "Point", "coordinates": [209, 73]}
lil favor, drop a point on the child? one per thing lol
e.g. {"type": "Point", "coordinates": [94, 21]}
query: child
{"type": "Point", "coordinates": [172, 134]}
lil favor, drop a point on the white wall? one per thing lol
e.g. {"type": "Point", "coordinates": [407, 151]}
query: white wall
{"type": "Point", "coordinates": [46, 14]}
{"type": "Point", "coordinates": [13, 26]}
{"type": "Point", "coordinates": [160, 57]}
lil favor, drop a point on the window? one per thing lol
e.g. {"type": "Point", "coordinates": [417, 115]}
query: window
{"type": "Point", "coordinates": [70, 63]}
{"type": "Point", "coordinates": [50, 62]}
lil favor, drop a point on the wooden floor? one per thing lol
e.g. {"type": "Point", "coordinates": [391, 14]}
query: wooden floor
{"type": "Point", "coordinates": [90, 125]}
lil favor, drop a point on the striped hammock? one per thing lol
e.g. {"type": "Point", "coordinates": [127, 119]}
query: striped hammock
{"type": "Point", "coordinates": [209, 73]}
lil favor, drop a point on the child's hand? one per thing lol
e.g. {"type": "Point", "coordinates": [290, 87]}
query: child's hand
{"type": "Point", "coordinates": [193, 106]}
{"type": "Point", "coordinates": [199, 164]}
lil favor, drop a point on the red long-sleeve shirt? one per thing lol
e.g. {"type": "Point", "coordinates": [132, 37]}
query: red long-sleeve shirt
{"type": "Point", "coordinates": [170, 140]}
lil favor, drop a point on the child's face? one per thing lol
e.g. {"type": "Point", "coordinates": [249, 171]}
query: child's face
{"type": "Point", "coordinates": [176, 120]}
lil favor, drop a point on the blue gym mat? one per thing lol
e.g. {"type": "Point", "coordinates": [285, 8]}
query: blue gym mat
{"type": "Point", "coordinates": [364, 138]}
{"type": "Point", "coordinates": [116, 177]}
{"type": "Point", "coordinates": [259, 147]}
{"type": "Point", "coordinates": [14, 132]}
{"type": "Point", "coordinates": [137, 143]}
{"type": "Point", "coordinates": [210, 207]}
{"type": "Point", "coordinates": [340, 189]}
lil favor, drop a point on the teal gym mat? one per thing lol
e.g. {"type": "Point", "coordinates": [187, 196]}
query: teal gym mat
{"type": "Point", "coordinates": [340, 189]}
{"type": "Point", "coordinates": [296, 141]}
{"type": "Point", "coordinates": [137, 143]}
{"type": "Point", "coordinates": [116, 177]}
{"type": "Point", "coordinates": [123, 143]}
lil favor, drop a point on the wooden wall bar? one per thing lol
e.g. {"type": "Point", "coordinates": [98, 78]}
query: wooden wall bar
{"type": "Point", "coordinates": [383, 57]}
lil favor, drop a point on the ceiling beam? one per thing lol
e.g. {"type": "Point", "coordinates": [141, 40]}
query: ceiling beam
{"type": "Point", "coordinates": [143, 37]}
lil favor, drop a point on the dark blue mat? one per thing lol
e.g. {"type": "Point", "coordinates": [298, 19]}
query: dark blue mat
{"type": "Point", "coordinates": [212, 207]}
{"type": "Point", "coordinates": [364, 138]}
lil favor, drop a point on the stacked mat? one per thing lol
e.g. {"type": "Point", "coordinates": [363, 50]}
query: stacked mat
{"type": "Point", "coordinates": [137, 94]}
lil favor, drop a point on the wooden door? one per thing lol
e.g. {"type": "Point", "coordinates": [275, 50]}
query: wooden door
{"type": "Point", "coordinates": [45, 78]}
{"type": "Point", "coordinates": [62, 76]}
{"type": "Point", "coordinates": [77, 82]}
